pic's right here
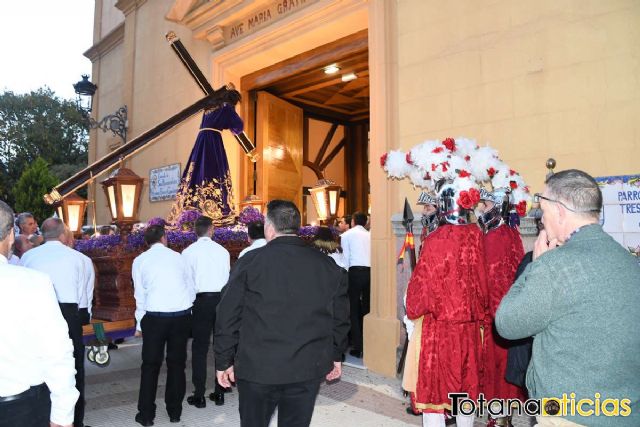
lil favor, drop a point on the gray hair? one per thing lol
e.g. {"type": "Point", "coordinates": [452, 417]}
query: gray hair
{"type": "Point", "coordinates": [52, 229]}
{"type": "Point", "coordinates": [6, 220]}
{"type": "Point", "coordinates": [23, 217]}
{"type": "Point", "coordinates": [577, 190]}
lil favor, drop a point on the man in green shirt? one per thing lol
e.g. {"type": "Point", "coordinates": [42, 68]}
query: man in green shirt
{"type": "Point", "coordinates": [580, 300]}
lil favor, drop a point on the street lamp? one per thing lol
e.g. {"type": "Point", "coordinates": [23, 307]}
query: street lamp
{"type": "Point", "coordinates": [116, 122]}
{"type": "Point", "coordinates": [123, 188]}
{"type": "Point", "coordinates": [71, 212]}
{"type": "Point", "coordinates": [326, 199]}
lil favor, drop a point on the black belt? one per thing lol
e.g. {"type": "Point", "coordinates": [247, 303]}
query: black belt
{"type": "Point", "coordinates": [169, 313]}
{"type": "Point", "coordinates": [207, 294]}
{"type": "Point", "coordinates": [359, 267]}
{"type": "Point", "coordinates": [30, 392]}
{"type": "Point", "coordinates": [68, 305]}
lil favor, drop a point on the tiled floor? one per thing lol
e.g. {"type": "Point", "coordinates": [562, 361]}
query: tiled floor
{"type": "Point", "coordinates": [360, 398]}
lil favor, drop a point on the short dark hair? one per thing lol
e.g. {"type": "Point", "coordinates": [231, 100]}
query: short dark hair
{"type": "Point", "coordinates": [284, 215]}
{"type": "Point", "coordinates": [578, 190]}
{"type": "Point", "coordinates": [359, 218]}
{"type": "Point", "coordinates": [202, 225]}
{"type": "Point", "coordinates": [153, 234]}
{"type": "Point", "coordinates": [6, 220]}
{"type": "Point", "coordinates": [52, 228]}
{"type": "Point", "coordinates": [255, 230]}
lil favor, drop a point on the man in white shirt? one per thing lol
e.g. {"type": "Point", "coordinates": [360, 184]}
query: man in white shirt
{"type": "Point", "coordinates": [37, 385]}
{"type": "Point", "coordinates": [207, 265]}
{"type": "Point", "coordinates": [28, 227]}
{"type": "Point", "coordinates": [66, 270]}
{"type": "Point", "coordinates": [356, 250]}
{"type": "Point", "coordinates": [163, 317]}
{"type": "Point", "coordinates": [255, 230]}
{"type": "Point", "coordinates": [86, 299]}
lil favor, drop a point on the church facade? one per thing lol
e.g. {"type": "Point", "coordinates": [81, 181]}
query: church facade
{"type": "Point", "coordinates": [532, 79]}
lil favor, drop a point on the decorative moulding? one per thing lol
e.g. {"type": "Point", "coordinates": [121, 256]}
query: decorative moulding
{"type": "Point", "coordinates": [108, 42]}
{"type": "Point", "coordinates": [127, 6]}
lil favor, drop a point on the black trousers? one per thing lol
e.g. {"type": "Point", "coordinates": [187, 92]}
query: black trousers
{"type": "Point", "coordinates": [204, 320]}
{"type": "Point", "coordinates": [31, 410]}
{"type": "Point", "coordinates": [295, 403]}
{"type": "Point", "coordinates": [359, 302]}
{"type": "Point", "coordinates": [156, 333]}
{"type": "Point", "coordinates": [85, 317]}
{"type": "Point", "coordinates": [72, 316]}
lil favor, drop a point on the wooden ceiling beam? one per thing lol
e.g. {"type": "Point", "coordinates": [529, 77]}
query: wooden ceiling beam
{"type": "Point", "coordinates": [315, 58]}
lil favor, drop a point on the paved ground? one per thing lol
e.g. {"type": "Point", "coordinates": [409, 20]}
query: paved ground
{"type": "Point", "coordinates": [360, 398]}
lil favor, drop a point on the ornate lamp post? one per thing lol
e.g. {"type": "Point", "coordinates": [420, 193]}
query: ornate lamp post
{"type": "Point", "coordinates": [71, 210]}
{"type": "Point", "coordinates": [326, 199]}
{"type": "Point", "coordinates": [123, 188]}
{"type": "Point", "coordinates": [116, 122]}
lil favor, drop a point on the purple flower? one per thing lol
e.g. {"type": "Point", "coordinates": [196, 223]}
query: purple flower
{"type": "Point", "coordinates": [187, 219]}
{"type": "Point", "coordinates": [157, 221]}
{"type": "Point", "coordinates": [249, 215]}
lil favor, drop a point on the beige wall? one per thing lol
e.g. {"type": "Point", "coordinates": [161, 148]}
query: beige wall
{"type": "Point", "coordinates": [111, 17]}
{"type": "Point", "coordinates": [534, 79]}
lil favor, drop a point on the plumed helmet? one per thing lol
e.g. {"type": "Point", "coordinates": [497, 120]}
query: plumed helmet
{"type": "Point", "coordinates": [498, 214]}
{"type": "Point", "coordinates": [429, 221]}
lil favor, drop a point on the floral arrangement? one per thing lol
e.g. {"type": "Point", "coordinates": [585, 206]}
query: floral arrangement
{"type": "Point", "coordinates": [157, 221]}
{"type": "Point", "coordinates": [187, 220]}
{"type": "Point", "coordinates": [250, 214]}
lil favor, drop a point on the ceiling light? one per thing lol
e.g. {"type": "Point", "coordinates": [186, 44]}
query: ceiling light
{"type": "Point", "coordinates": [348, 77]}
{"type": "Point", "coordinates": [331, 69]}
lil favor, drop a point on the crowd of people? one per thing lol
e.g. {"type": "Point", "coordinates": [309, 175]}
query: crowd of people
{"type": "Point", "coordinates": [182, 295]}
{"type": "Point", "coordinates": [283, 316]}
{"type": "Point", "coordinates": [481, 312]}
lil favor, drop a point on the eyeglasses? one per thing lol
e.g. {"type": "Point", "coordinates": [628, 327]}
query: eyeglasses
{"type": "Point", "coordinates": [538, 196]}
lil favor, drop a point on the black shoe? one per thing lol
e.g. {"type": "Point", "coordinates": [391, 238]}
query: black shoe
{"type": "Point", "coordinates": [142, 421]}
{"type": "Point", "coordinates": [217, 398]}
{"type": "Point", "coordinates": [177, 419]}
{"type": "Point", "coordinates": [356, 353]}
{"type": "Point", "coordinates": [198, 402]}
{"type": "Point", "coordinates": [410, 411]}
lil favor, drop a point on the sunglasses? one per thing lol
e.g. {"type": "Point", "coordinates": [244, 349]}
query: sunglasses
{"type": "Point", "coordinates": [537, 197]}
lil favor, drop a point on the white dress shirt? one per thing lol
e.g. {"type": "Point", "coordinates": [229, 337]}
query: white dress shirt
{"type": "Point", "coordinates": [35, 345]}
{"type": "Point", "coordinates": [160, 282]}
{"type": "Point", "coordinates": [63, 265]}
{"type": "Point", "coordinates": [14, 260]}
{"type": "Point", "coordinates": [86, 299]}
{"type": "Point", "coordinates": [338, 257]}
{"type": "Point", "coordinates": [258, 243]}
{"type": "Point", "coordinates": [207, 265]}
{"type": "Point", "coordinates": [356, 247]}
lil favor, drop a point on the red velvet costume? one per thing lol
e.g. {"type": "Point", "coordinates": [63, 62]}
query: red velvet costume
{"type": "Point", "coordinates": [448, 288]}
{"type": "Point", "coordinates": [503, 252]}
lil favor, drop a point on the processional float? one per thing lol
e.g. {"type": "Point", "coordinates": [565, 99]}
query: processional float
{"type": "Point", "coordinates": [212, 99]}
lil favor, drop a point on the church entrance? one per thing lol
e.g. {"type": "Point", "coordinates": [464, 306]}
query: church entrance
{"type": "Point", "coordinates": [309, 118]}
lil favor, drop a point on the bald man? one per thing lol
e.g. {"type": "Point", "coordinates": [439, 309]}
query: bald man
{"type": "Point", "coordinates": [22, 245]}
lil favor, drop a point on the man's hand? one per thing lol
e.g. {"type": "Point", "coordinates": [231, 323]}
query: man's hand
{"type": "Point", "coordinates": [543, 245]}
{"type": "Point", "coordinates": [226, 377]}
{"type": "Point", "coordinates": [138, 334]}
{"type": "Point", "coordinates": [52, 424]}
{"type": "Point", "coordinates": [336, 372]}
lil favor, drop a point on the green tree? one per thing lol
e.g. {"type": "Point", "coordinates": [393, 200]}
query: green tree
{"type": "Point", "coordinates": [35, 181]}
{"type": "Point", "coordinates": [39, 124]}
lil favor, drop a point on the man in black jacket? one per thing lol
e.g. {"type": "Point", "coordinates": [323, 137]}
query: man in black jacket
{"type": "Point", "coordinates": [282, 324]}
